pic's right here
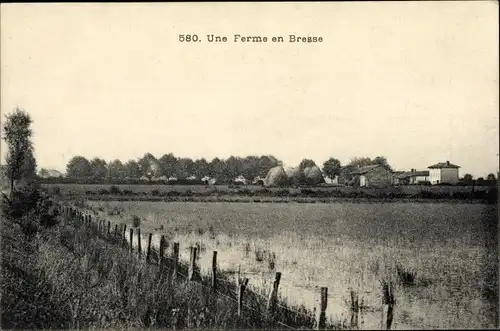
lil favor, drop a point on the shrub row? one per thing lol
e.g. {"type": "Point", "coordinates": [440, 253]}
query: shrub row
{"type": "Point", "coordinates": [305, 192]}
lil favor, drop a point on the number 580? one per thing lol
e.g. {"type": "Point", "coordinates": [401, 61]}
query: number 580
{"type": "Point", "coordinates": [188, 38]}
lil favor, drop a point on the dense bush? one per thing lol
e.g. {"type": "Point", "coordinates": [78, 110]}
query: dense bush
{"type": "Point", "coordinates": [31, 208]}
{"type": "Point", "coordinates": [103, 191]}
{"type": "Point", "coordinates": [114, 190]}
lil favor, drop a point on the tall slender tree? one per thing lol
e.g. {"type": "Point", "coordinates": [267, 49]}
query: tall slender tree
{"type": "Point", "coordinates": [17, 134]}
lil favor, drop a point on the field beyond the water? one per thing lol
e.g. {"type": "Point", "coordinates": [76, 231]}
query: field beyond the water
{"type": "Point", "coordinates": [442, 256]}
{"type": "Point", "coordinates": [252, 193]}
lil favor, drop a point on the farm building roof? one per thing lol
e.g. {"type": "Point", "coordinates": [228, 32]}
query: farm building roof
{"type": "Point", "coordinates": [408, 174]}
{"type": "Point", "coordinates": [441, 165]}
{"type": "Point", "coordinates": [365, 169]}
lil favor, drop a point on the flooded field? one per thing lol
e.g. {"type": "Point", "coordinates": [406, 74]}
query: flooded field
{"type": "Point", "coordinates": [443, 257]}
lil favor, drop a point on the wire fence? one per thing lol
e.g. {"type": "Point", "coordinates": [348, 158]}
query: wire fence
{"type": "Point", "coordinates": [104, 231]}
{"type": "Point", "coordinates": [156, 255]}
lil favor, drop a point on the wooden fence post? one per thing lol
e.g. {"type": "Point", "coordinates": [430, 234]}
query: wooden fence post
{"type": "Point", "coordinates": [161, 256]}
{"type": "Point", "coordinates": [175, 262]}
{"type": "Point", "coordinates": [321, 321]}
{"type": "Point", "coordinates": [109, 228]}
{"type": "Point", "coordinates": [271, 302]}
{"type": "Point", "coordinates": [192, 263]}
{"type": "Point", "coordinates": [124, 234]}
{"type": "Point", "coordinates": [387, 305]}
{"type": "Point", "coordinates": [116, 229]}
{"type": "Point", "coordinates": [131, 234]}
{"type": "Point", "coordinates": [242, 287]}
{"type": "Point", "coordinates": [238, 279]}
{"type": "Point", "coordinates": [214, 272]}
{"type": "Point", "coordinates": [354, 310]}
{"type": "Point", "coordinates": [148, 252]}
{"type": "Point", "coordinates": [139, 248]}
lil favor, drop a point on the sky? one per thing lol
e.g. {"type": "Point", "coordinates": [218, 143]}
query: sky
{"type": "Point", "coordinates": [416, 82]}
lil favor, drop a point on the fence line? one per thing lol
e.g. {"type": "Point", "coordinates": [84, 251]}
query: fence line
{"type": "Point", "coordinates": [103, 229]}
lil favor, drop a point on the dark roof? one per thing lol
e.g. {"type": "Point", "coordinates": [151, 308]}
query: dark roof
{"type": "Point", "coordinates": [441, 165]}
{"type": "Point", "coordinates": [365, 169]}
{"type": "Point", "coordinates": [408, 174]}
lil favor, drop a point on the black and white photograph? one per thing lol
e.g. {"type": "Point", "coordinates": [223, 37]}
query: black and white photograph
{"type": "Point", "coordinates": [249, 165]}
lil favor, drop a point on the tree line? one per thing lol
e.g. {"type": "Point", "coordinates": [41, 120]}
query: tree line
{"type": "Point", "coordinates": [168, 166]}
{"type": "Point", "coordinates": [223, 170]}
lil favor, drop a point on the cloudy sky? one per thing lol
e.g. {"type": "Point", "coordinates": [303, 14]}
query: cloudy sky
{"type": "Point", "coordinates": [414, 82]}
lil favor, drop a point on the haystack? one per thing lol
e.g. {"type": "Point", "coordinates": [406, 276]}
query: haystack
{"type": "Point", "coordinates": [295, 176]}
{"type": "Point", "coordinates": [313, 175]}
{"type": "Point", "coordinates": [276, 177]}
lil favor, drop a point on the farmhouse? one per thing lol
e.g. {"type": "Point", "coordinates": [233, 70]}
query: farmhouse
{"type": "Point", "coordinates": [443, 172]}
{"type": "Point", "coordinates": [376, 175]}
{"type": "Point", "coordinates": [411, 177]}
